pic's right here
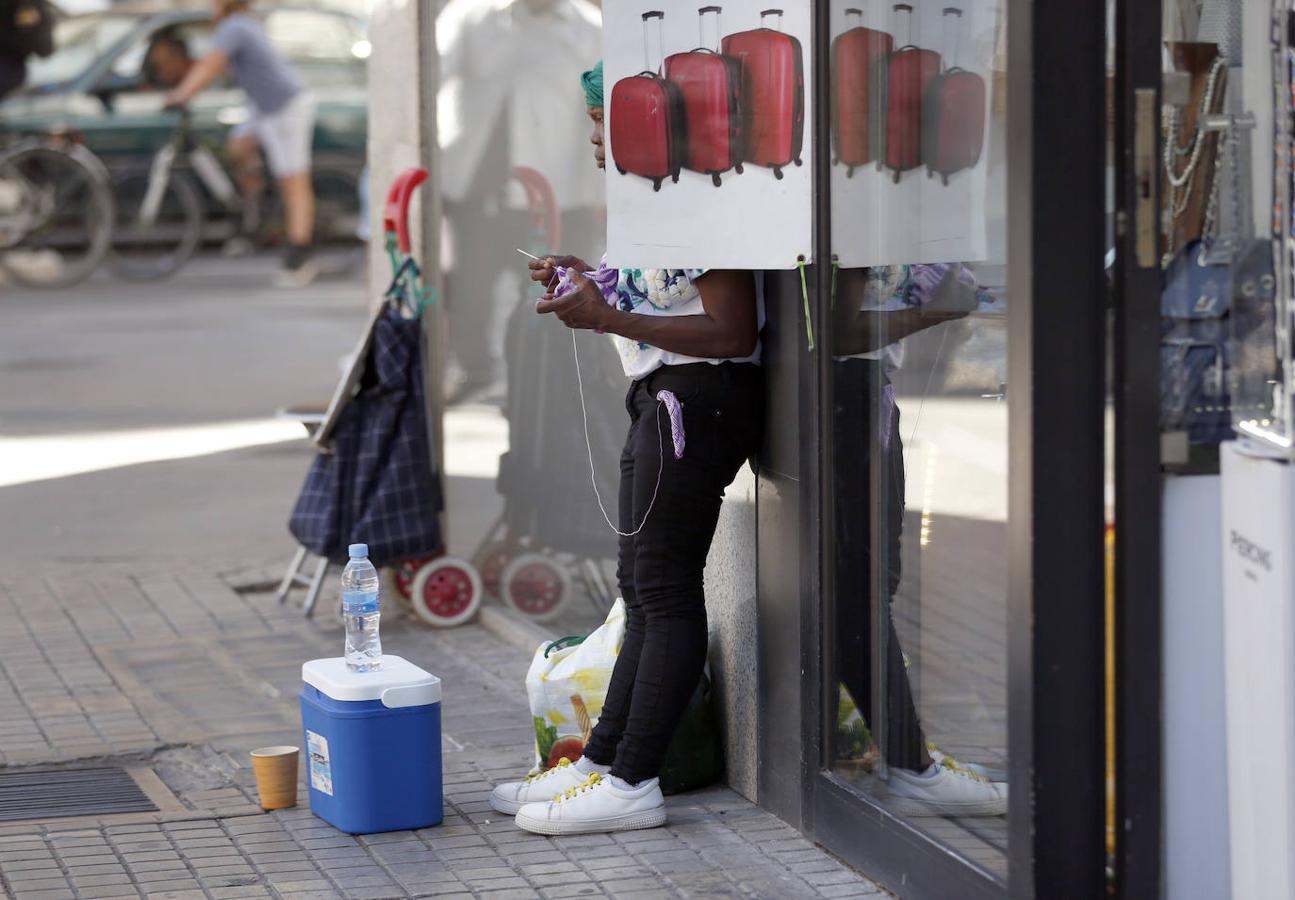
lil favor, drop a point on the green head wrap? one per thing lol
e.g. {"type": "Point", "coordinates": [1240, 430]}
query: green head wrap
{"type": "Point", "coordinates": [592, 82]}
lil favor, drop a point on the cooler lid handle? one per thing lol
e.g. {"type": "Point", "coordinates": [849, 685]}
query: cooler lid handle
{"type": "Point", "coordinates": [412, 695]}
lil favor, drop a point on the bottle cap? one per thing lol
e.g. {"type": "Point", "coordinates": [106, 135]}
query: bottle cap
{"type": "Point", "coordinates": [358, 551]}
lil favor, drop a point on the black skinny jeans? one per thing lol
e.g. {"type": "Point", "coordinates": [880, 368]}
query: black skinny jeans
{"type": "Point", "coordinates": [859, 386]}
{"type": "Point", "coordinates": [659, 570]}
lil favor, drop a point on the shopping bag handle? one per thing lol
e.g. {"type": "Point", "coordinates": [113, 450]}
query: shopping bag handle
{"type": "Point", "coordinates": [572, 640]}
{"type": "Point", "coordinates": [395, 218]}
{"type": "Point", "coordinates": [541, 204]}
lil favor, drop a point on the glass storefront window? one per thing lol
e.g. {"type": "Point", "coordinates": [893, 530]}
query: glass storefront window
{"type": "Point", "coordinates": [916, 648]}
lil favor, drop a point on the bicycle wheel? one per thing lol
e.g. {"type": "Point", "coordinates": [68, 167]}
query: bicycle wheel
{"type": "Point", "coordinates": [150, 252]}
{"type": "Point", "coordinates": [56, 214]}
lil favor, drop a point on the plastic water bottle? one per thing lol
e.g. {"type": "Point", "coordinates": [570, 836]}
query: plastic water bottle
{"type": "Point", "coordinates": [360, 611]}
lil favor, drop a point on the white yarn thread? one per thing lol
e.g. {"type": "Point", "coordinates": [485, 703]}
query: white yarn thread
{"type": "Point", "coordinates": [589, 447]}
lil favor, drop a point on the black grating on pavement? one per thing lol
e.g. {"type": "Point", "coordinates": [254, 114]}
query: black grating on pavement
{"type": "Point", "coordinates": [75, 792]}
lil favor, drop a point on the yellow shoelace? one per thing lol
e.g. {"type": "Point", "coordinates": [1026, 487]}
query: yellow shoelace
{"type": "Point", "coordinates": [583, 786]}
{"type": "Point", "coordinates": [948, 762]}
{"type": "Point", "coordinates": [538, 775]}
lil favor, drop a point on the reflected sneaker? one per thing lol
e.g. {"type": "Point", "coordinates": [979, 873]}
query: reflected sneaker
{"type": "Point", "coordinates": [945, 790]}
{"type": "Point", "coordinates": [598, 804]}
{"type": "Point", "coordinates": [940, 758]}
{"type": "Point", "coordinates": [542, 787]}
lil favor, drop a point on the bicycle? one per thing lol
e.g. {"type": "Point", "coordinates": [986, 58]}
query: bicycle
{"type": "Point", "coordinates": [162, 217]}
{"type": "Point", "coordinates": [56, 211]}
{"type": "Point", "coordinates": [161, 213]}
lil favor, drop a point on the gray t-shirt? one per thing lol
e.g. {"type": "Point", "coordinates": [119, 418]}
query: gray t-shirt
{"type": "Point", "coordinates": [257, 67]}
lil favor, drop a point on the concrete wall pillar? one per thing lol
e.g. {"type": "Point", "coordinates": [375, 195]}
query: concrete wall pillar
{"type": "Point", "coordinates": [403, 79]}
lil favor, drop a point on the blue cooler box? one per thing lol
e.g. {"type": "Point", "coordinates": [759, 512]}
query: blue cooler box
{"type": "Point", "coordinates": [373, 745]}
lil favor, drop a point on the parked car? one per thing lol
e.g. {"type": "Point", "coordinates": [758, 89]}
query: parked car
{"type": "Point", "coordinates": [94, 84]}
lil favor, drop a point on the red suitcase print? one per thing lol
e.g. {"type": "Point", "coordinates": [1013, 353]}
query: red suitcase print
{"type": "Point", "coordinates": [855, 54]}
{"type": "Point", "coordinates": [648, 129]}
{"type": "Point", "coordinates": [710, 84]}
{"type": "Point", "coordinates": [901, 80]}
{"type": "Point", "coordinates": [953, 118]}
{"type": "Point", "coordinates": [773, 94]}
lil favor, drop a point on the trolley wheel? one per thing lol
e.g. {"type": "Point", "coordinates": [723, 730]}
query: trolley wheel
{"type": "Point", "coordinates": [895, 176]}
{"type": "Point", "coordinates": [656, 184]}
{"type": "Point", "coordinates": [738, 169]}
{"type": "Point", "coordinates": [404, 574]}
{"type": "Point", "coordinates": [536, 586]}
{"type": "Point", "coordinates": [715, 179]}
{"type": "Point", "coordinates": [849, 171]}
{"type": "Point", "coordinates": [777, 173]}
{"type": "Point", "coordinates": [447, 592]}
{"type": "Point", "coordinates": [620, 168]}
{"type": "Point", "coordinates": [491, 562]}
{"type": "Point", "coordinates": [945, 179]}
{"type": "Point", "coordinates": [674, 179]}
{"type": "Point", "coordinates": [799, 162]}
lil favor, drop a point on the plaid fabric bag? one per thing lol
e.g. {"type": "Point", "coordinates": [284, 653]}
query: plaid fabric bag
{"type": "Point", "coordinates": [378, 485]}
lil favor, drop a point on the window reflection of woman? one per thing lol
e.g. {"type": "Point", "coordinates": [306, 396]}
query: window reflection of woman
{"type": "Point", "coordinates": [693, 334]}
{"type": "Point", "coordinates": [875, 310]}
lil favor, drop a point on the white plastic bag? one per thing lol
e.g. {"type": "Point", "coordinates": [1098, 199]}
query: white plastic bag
{"type": "Point", "coordinates": [567, 684]}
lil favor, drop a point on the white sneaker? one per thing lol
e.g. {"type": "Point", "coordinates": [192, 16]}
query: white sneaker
{"type": "Point", "coordinates": [597, 805]}
{"type": "Point", "coordinates": [510, 797]}
{"type": "Point", "coordinates": [940, 758]}
{"type": "Point", "coordinates": [945, 790]}
{"type": "Point", "coordinates": [299, 277]}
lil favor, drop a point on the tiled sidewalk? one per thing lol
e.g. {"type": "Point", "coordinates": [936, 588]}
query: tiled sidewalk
{"type": "Point", "coordinates": [178, 673]}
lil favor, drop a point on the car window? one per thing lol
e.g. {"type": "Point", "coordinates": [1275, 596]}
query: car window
{"type": "Point", "coordinates": [78, 42]}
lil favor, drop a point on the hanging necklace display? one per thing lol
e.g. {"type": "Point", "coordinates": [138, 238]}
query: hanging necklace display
{"type": "Point", "coordinates": [1182, 176]}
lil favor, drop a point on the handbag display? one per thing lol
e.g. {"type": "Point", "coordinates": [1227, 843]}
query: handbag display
{"type": "Point", "coordinates": [1194, 306]}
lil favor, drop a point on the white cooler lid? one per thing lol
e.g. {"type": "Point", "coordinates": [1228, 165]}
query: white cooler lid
{"type": "Point", "coordinates": [397, 684]}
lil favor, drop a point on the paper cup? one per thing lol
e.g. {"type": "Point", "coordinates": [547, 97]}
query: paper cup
{"type": "Point", "coordinates": [276, 776]}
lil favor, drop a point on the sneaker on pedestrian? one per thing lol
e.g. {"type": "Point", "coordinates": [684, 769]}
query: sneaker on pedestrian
{"type": "Point", "coordinates": [541, 787]}
{"type": "Point", "coordinates": [299, 268]}
{"type": "Point", "coordinates": [601, 803]}
{"type": "Point", "coordinates": [945, 790]}
{"type": "Point", "coordinates": [940, 758]}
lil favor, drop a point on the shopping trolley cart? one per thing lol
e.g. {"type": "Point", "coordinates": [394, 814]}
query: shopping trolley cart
{"type": "Point", "coordinates": [375, 479]}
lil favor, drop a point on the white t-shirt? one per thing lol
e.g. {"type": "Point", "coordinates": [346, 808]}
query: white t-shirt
{"type": "Point", "coordinates": [667, 292]}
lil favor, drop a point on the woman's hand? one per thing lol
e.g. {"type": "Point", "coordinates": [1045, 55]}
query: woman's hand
{"type": "Point", "coordinates": [585, 308]}
{"type": "Point", "coordinates": [952, 298]}
{"type": "Point", "coordinates": [545, 270]}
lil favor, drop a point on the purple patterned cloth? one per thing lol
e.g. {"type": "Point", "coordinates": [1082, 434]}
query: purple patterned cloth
{"type": "Point", "coordinates": [675, 409]}
{"type": "Point", "coordinates": [604, 278]}
{"type": "Point", "coordinates": [928, 276]}
{"type": "Point", "coordinates": [886, 415]}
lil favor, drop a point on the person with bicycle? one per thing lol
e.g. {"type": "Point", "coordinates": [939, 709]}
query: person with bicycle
{"type": "Point", "coordinates": [282, 122]}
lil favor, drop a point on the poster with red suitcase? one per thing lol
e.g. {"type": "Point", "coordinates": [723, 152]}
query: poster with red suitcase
{"type": "Point", "coordinates": [918, 167]}
{"type": "Point", "coordinates": [709, 155]}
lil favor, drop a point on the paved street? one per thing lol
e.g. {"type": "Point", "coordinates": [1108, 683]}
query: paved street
{"type": "Point", "coordinates": [176, 672]}
{"type": "Point", "coordinates": [144, 490]}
